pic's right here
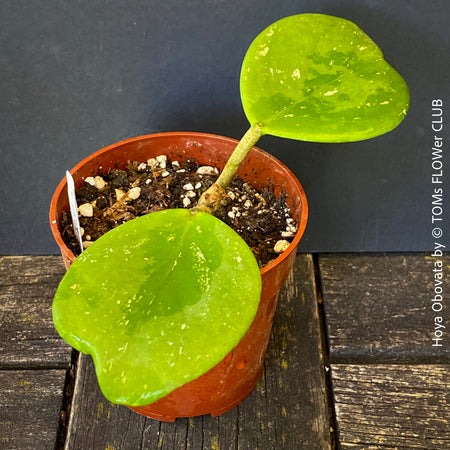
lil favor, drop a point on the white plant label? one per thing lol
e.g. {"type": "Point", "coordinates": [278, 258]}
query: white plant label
{"type": "Point", "coordinates": [73, 208]}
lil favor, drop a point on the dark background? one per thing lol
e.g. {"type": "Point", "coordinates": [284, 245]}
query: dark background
{"type": "Point", "coordinates": [76, 76]}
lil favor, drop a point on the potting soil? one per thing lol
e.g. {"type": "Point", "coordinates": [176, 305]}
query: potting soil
{"type": "Point", "coordinates": [108, 199]}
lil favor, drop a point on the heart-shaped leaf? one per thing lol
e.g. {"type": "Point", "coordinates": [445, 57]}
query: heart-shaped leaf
{"type": "Point", "coordinates": [158, 301]}
{"type": "Point", "coordinates": [320, 78]}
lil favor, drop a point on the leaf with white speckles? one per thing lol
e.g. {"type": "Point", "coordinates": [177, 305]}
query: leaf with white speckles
{"type": "Point", "coordinates": [158, 301]}
{"type": "Point", "coordinates": [319, 78]}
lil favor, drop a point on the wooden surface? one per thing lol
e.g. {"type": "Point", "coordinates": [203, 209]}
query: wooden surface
{"type": "Point", "coordinates": [33, 358]}
{"type": "Point", "coordinates": [31, 402]}
{"type": "Point", "coordinates": [378, 308]}
{"type": "Point", "coordinates": [28, 338]}
{"type": "Point", "coordinates": [288, 409]}
{"type": "Point", "coordinates": [393, 406]}
{"type": "Point", "coordinates": [389, 387]}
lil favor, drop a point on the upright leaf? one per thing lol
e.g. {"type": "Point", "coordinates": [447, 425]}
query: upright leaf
{"type": "Point", "coordinates": [320, 78]}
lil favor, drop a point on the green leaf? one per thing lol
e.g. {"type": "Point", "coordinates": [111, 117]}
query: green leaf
{"type": "Point", "coordinates": [158, 301]}
{"type": "Point", "coordinates": [320, 78]}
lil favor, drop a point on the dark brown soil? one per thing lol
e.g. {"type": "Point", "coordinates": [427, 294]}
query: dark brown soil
{"type": "Point", "coordinates": [260, 218]}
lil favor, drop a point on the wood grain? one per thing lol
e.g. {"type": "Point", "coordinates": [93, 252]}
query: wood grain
{"type": "Point", "coordinates": [379, 309]}
{"type": "Point", "coordinates": [288, 408]}
{"type": "Point", "coordinates": [28, 338]}
{"type": "Point", "coordinates": [30, 407]}
{"type": "Point", "coordinates": [393, 406]}
{"type": "Point", "coordinates": [391, 387]}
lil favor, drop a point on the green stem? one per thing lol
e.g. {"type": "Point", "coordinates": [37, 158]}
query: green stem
{"type": "Point", "coordinates": [210, 199]}
{"type": "Point", "coordinates": [249, 139]}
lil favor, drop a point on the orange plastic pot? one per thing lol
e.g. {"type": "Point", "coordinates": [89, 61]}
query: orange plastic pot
{"type": "Point", "coordinates": [231, 381]}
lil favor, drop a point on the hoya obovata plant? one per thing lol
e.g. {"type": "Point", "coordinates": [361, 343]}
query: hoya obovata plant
{"type": "Point", "coordinates": [163, 298]}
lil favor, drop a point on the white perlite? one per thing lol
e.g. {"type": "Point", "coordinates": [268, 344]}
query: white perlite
{"type": "Point", "coordinates": [152, 162]}
{"type": "Point", "coordinates": [99, 182]}
{"type": "Point", "coordinates": [281, 246]}
{"type": "Point", "coordinates": [207, 170]}
{"type": "Point", "coordinates": [86, 210]}
{"type": "Point", "coordinates": [134, 193]}
{"type": "Point", "coordinates": [162, 159]}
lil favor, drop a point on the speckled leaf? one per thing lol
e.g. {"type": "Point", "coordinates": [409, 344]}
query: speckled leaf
{"type": "Point", "coordinates": [158, 301]}
{"type": "Point", "coordinates": [320, 78]}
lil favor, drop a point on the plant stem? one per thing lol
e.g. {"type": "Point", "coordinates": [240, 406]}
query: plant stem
{"type": "Point", "coordinates": [210, 199]}
{"type": "Point", "coordinates": [249, 139]}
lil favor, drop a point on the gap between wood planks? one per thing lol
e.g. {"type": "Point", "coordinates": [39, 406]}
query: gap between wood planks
{"type": "Point", "coordinates": [334, 431]}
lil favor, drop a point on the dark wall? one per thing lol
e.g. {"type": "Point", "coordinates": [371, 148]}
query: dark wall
{"type": "Point", "coordinates": [78, 75]}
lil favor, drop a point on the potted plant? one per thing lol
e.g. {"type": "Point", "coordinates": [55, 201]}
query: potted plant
{"type": "Point", "coordinates": [169, 304]}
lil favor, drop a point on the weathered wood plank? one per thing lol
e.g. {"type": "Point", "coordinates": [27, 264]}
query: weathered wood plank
{"type": "Point", "coordinates": [393, 406]}
{"type": "Point", "coordinates": [379, 308]}
{"type": "Point", "coordinates": [33, 269]}
{"type": "Point", "coordinates": [288, 409]}
{"type": "Point", "coordinates": [30, 408]}
{"type": "Point", "coordinates": [28, 338]}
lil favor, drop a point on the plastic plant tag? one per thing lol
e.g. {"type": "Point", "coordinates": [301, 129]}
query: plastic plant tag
{"type": "Point", "coordinates": [320, 78]}
{"type": "Point", "coordinates": [73, 208]}
{"type": "Point", "coordinates": [158, 301]}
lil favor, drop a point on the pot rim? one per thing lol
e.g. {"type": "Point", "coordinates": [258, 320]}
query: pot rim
{"type": "Point", "coordinates": [303, 201]}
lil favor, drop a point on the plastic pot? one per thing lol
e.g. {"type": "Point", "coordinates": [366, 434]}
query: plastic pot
{"type": "Point", "coordinates": [231, 381]}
